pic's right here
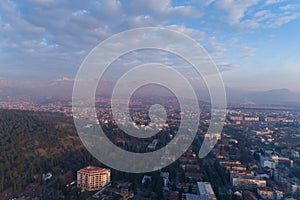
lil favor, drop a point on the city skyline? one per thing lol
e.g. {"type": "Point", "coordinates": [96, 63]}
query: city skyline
{"type": "Point", "coordinates": [150, 99]}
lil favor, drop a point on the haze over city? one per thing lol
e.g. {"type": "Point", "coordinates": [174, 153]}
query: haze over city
{"type": "Point", "coordinates": [149, 100]}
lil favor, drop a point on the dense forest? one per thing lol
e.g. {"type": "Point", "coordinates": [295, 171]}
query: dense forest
{"type": "Point", "coordinates": [34, 143]}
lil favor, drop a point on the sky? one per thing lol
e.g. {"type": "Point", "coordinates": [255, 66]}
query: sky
{"type": "Point", "coordinates": [254, 43]}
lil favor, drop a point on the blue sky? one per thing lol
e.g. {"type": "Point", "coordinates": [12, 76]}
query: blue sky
{"type": "Point", "coordinates": [255, 43]}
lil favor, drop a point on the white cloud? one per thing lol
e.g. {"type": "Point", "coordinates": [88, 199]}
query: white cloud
{"type": "Point", "coordinates": [253, 14]}
{"type": "Point", "coordinates": [288, 7]}
{"type": "Point", "coordinates": [62, 29]}
{"type": "Point", "coordinates": [235, 9]}
{"type": "Point", "coordinates": [214, 48]}
{"type": "Point", "coordinates": [269, 2]}
{"type": "Point", "coordinates": [197, 35]}
{"type": "Point", "coordinates": [58, 34]}
{"type": "Point", "coordinates": [248, 51]}
{"type": "Point", "coordinates": [282, 19]}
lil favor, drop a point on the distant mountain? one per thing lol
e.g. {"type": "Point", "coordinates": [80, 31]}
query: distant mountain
{"type": "Point", "coordinates": [62, 89]}
{"type": "Point", "coordinates": [276, 96]}
{"type": "Point", "coordinates": [38, 91]}
{"type": "Point", "coordinates": [270, 97]}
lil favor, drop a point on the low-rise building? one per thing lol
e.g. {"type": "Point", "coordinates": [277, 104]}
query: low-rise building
{"type": "Point", "coordinates": [266, 193]}
{"type": "Point", "coordinates": [295, 154]}
{"type": "Point", "coordinates": [282, 160]}
{"type": "Point", "coordinates": [279, 193]}
{"type": "Point", "coordinates": [245, 182]}
{"type": "Point", "coordinates": [294, 187]}
{"type": "Point", "coordinates": [205, 191]}
{"type": "Point", "coordinates": [251, 118]}
{"type": "Point", "coordinates": [266, 162]}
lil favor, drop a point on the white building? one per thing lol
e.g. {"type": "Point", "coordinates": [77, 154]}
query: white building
{"type": "Point", "coordinates": [295, 154]}
{"type": "Point", "coordinates": [250, 118]}
{"type": "Point", "coordinates": [205, 191]}
{"type": "Point", "coordinates": [265, 162]}
{"type": "Point", "coordinates": [165, 176]}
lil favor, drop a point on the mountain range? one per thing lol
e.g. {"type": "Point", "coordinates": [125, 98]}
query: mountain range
{"type": "Point", "coordinates": [62, 88]}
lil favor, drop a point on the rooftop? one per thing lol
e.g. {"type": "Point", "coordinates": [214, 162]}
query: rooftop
{"type": "Point", "coordinates": [92, 169]}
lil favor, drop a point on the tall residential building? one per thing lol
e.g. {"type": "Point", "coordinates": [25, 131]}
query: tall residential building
{"type": "Point", "coordinates": [93, 178]}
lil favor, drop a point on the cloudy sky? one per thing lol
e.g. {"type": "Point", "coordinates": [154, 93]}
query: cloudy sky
{"type": "Point", "coordinates": [255, 43]}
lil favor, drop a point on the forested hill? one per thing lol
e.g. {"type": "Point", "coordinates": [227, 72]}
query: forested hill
{"type": "Point", "coordinates": [33, 143]}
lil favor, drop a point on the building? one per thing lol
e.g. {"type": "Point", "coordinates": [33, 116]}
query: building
{"type": "Point", "coordinates": [272, 119]}
{"type": "Point", "coordinates": [266, 193]}
{"type": "Point", "coordinates": [205, 191]}
{"type": "Point", "coordinates": [270, 193]}
{"type": "Point", "coordinates": [295, 154]}
{"type": "Point", "coordinates": [281, 176]}
{"type": "Point", "coordinates": [247, 195]}
{"type": "Point", "coordinates": [153, 144]}
{"type": "Point", "coordinates": [267, 131]}
{"type": "Point", "coordinates": [236, 118]}
{"type": "Point", "coordinates": [146, 178]}
{"type": "Point", "coordinates": [245, 182]}
{"type": "Point", "coordinates": [189, 196]}
{"type": "Point", "coordinates": [279, 193]}
{"type": "Point", "coordinates": [294, 187]}
{"type": "Point", "coordinates": [93, 178]}
{"type": "Point", "coordinates": [47, 176]}
{"type": "Point", "coordinates": [282, 160]}
{"type": "Point", "coordinates": [266, 162]}
{"type": "Point", "coordinates": [251, 118]}
{"type": "Point", "coordinates": [165, 176]}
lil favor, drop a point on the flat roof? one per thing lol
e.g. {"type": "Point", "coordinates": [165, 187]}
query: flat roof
{"type": "Point", "coordinates": [92, 169]}
{"type": "Point", "coordinates": [205, 188]}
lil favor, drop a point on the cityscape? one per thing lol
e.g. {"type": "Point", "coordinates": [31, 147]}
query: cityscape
{"type": "Point", "coordinates": [256, 157]}
{"type": "Point", "coordinates": [149, 100]}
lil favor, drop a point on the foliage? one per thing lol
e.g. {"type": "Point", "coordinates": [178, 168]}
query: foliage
{"type": "Point", "coordinates": [33, 143]}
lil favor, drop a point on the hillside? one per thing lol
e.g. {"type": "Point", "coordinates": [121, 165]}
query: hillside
{"type": "Point", "coordinates": [34, 143]}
